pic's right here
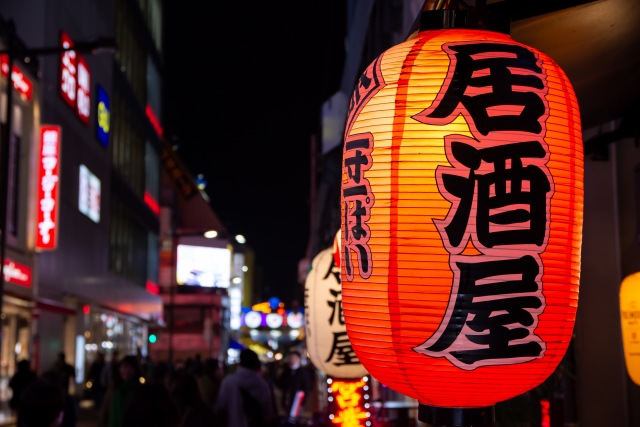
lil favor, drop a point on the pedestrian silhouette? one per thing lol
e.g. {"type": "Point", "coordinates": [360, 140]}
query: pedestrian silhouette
{"type": "Point", "coordinates": [151, 406]}
{"type": "Point", "coordinates": [41, 405]}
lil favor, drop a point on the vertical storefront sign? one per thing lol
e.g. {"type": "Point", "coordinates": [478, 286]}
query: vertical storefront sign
{"type": "Point", "coordinates": [48, 188]}
{"type": "Point", "coordinates": [68, 71]}
{"type": "Point", "coordinates": [89, 194]}
{"type": "Point", "coordinates": [83, 96]}
{"type": "Point", "coordinates": [103, 116]}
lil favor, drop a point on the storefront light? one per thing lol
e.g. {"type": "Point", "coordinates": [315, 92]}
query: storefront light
{"type": "Point", "coordinates": [211, 234]}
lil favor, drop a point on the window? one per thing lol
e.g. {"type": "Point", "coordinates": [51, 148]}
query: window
{"type": "Point", "coordinates": [129, 150]}
{"type": "Point", "coordinates": [131, 54]}
{"type": "Point", "coordinates": [128, 245]}
{"type": "Point", "coordinates": [154, 89]}
{"type": "Point", "coordinates": [153, 257]}
{"type": "Point", "coordinates": [152, 11]}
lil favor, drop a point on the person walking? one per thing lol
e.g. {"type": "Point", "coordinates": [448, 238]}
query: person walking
{"type": "Point", "coordinates": [95, 377]}
{"type": "Point", "coordinates": [294, 379]}
{"type": "Point", "coordinates": [194, 412]}
{"type": "Point", "coordinates": [151, 406]}
{"type": "Point", "coordinates": [63, 372]}
{"type": "Point", "coordinates": [120, 393]}
{"type": "Point", "coordinates": [42, 405]}
{"type": "Point", "coordinates": [19, 382]}
{"type": "Point", "coordinates": [244, 397]}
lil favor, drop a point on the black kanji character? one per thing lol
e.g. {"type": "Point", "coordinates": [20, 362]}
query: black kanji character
{"type": "Point", "coordinates": [493, 317]}
{"type": "Point", "coordinates": [333, 270]}
{"type": "Point", "coordinates": [336, 307]}
{"type": "Point", "coordinates": [354, 164]}
{"type": "Point", "coordinates": [342, 350]}
{"type": "Point", "coordinates": [498, 69]}
{"type": "Point", "coordinates": [516, 195]}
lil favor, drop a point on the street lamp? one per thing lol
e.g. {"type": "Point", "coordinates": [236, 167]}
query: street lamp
{"type": "Point", "coordinates": [92, 47]}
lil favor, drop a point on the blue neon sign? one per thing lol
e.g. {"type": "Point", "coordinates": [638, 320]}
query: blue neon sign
{"type": "Point", "coordinates": [103, 116]}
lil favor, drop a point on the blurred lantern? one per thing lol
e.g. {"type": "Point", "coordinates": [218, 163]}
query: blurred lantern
{"type": "Point", "coordinates": [630, 318]}
{"type": "Point", "coordinates": [462, 202]}
{"type": "Point", "coordinates": [327, 341]}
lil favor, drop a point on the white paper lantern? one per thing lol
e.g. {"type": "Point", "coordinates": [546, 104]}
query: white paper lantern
{"type": "Point", "coordinates": [327, 341]}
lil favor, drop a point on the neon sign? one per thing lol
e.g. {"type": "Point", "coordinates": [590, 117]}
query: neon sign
{"type": "Point", "coordinates": [83, 96]}
{"type": "Point", "coordinates": [48, 188]}
{"type": "Point", "coordinates": [103, 116]}
{"type": "Point", "coordinates": [17, 273]}
{"type": "Point", "coordinates": [151, 203]}
{"type": "Point", "coordinates": [20, 82]}
{"type": "Point", "coordinates": [154, 121]}
{"type": "Point", "coordinates": [68, 71]}
{"type": "Point", "coordinates": [89, 194]}
{"type": "Point", "coordinates": [75, 79]}
{"type": "Point", "coordinates": [349, 403]}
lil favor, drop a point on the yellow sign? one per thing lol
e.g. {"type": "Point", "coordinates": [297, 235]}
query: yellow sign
{"type": "Point", "coordinates": [103, 117]}
{"type": "Point", "coordinates": [630, 318]}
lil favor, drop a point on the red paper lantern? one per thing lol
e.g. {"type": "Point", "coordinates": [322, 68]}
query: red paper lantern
{"type": "Point", "coordinates": [462, 204]}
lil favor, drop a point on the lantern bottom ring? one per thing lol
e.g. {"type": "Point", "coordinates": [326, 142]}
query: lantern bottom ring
{"type": "Point", "coordinates": [457, 417]}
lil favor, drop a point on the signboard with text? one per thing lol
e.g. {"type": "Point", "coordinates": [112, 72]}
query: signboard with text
{"type": "Point", "coordinates": [68, 71]}
{"type": "Point", "coordinates": [48, 187]}
{"type": "Point", "coordinates": [89, 194]}
{"type": "Point", "coordinates": [103, 116]}
{"type": "Point", "coordinates": [16, 273]}
{"type": "Point", "coordinates": [21, 83]}
{"type": "Point", "coordinates": [75, 80]}
{"type": "Point", "coordinates": [83, 96]}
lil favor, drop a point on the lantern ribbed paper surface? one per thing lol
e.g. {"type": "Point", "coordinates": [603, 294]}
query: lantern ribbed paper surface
{"type": "Point", "coordinates": [630, 318]}
{"type": "Point", "coordinates": [462, 204]}
{"type": "Point", "coordinates": [327, 341]}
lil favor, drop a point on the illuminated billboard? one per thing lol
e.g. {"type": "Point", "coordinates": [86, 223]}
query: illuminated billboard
{"type": "Point", "coordinates": [203, 266]}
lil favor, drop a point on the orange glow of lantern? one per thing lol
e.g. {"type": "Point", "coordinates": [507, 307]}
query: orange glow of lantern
{"type": "Point", "coordinates": [462, 202]}
{"type": "Point", "coordinates": [630, 318]}
{"type": "Point", "coordinates": [350, 403]}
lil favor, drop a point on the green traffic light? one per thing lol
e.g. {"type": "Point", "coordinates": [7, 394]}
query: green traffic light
{"type": "Point", "coordinates": [153, 338]}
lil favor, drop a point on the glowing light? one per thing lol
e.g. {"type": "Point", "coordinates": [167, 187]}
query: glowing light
{"type": "Point", "coordinates": [153, 338]}
{"type": "Point", "coordinates": [89, 384]}
{"type": "Point", "coordinates": [245, 268]}
{"type": "Point", "coordinates": [241, 239]}
{"type": "Point", "coordinates": [142, 380]}
{"type": "Point", "coordinates": [211, 234]}
{"type": "Point", "coordinates": [349, 410]}
{"type": "Point", "coordinates": [279, 356]}
{"type": "Point", "coordinates": [236, 280]}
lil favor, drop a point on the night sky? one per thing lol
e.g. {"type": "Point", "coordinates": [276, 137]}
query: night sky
{"type": "Point", "coordinates": [244, 81]}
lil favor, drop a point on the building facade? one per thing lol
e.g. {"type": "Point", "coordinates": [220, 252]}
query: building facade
{"type": "Point", "coordinates": [95, 254]}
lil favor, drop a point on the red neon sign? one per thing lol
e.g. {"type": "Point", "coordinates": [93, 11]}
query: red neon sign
{"type": "Point", "coordinates": [546, 417]}
{"type": "Point", "coordinates": [68, 71]}
{"type": "Point", "coordinates": [152, 288]}
{"type": "Point", "coordinates": [20, 82]}
{"type": "Point", "coordinates": [152, 203]}
{"type": "Point", "coordinates": [154, 121]}
{"type": "Point", "coordinates": [350, 404]}
{"type": "Point", "coordinates": [48, 188]}
{"type": "Point", "coordinates": [17, 273]}
{"type": "Point", "coordinates": [83, 96]}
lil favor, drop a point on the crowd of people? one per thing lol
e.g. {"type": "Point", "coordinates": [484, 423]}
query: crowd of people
{"type": "Point", "coordinates": [133, 392]}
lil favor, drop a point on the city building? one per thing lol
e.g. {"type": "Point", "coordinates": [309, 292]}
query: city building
{"type": "Point", "coordinates": [198, 279]}
{"type": "Point", "coordinates": [91, 239]}
{"type": "Point", "coordinates": [18, 303]}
